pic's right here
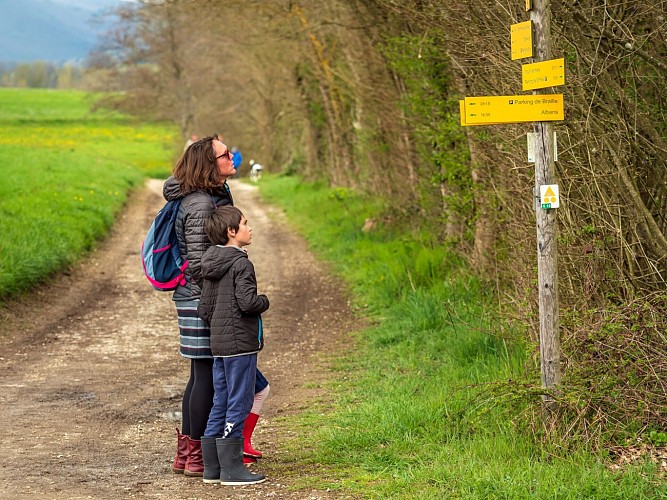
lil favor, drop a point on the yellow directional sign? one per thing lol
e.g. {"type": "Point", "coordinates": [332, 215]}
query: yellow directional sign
{"type": "Point", "coordinates": [543, 74]}
{"type": "Point", "coordinates": [489, 110]}
{"type": "Point", "coordinates": [521, 36]}
{"type": "Point", "coordinates": [529, 5]}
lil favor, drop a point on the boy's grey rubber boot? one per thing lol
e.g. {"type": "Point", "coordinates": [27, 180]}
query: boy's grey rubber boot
{"type": "Point", "coordinates": [232, 470]}
{"type": "Point", "coordinates": [209, 452]}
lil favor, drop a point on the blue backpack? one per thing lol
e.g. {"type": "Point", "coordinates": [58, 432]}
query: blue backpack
{"type": "Point", "coordinates": [162, 261]}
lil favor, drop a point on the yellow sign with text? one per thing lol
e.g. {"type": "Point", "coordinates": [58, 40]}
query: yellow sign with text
{"type": "Point", "coordinates": [543, 74]}
{"type": "Point", "coordinates": [521, 37]}
{"type": "Point", "coordinates": [489, 110]}
{"type": "Point", "coordinates": [462, 113]}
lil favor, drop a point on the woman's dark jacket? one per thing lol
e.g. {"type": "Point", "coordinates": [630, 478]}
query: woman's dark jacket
{"type": "Point", "coordinates": [230, 303]}
{"type": "Point", "coordinates": [192, 240]}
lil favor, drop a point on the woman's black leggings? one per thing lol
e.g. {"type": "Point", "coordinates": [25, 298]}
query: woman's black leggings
{"type": "Point", "coordinates": [198, 398]}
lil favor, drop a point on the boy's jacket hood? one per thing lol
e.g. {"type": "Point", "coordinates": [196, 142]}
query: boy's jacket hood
{"type": "Point", "coordinates": [217, 261]}
{"type": "Point", "coordinates": [171, 190]}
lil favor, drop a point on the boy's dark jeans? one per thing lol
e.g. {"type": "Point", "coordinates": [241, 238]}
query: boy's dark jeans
{"type": "Point", "coordinates": [234, 385]}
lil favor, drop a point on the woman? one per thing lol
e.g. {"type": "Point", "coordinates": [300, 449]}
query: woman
{"type": "Point", "coordinates": [199, 180]}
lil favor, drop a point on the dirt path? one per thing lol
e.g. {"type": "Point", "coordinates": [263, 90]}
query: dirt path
{"type": "Point", "coordinates": [91, 380]}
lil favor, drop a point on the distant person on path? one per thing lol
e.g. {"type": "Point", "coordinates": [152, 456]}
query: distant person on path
{"type": "Point", "coordinates": [255, 171]}
{"type": "Point", "coordinates": [200, 180]}
{"type": "Point", "coordinates": [193, 138]}
{"type": "Point", "coordinates": [232, 308]}
{"type": "Point", "coordinates": [238, 160]}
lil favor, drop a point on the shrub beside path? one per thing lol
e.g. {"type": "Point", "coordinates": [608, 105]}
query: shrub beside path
{"type": "Point", "coordinates": [91, 380]}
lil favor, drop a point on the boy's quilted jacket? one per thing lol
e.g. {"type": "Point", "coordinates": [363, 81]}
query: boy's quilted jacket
{"type": "Point", "coordinates": [230, 303]}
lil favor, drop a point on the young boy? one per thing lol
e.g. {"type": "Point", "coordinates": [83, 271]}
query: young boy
{"type": "Point", "coordinates": [231, 307]}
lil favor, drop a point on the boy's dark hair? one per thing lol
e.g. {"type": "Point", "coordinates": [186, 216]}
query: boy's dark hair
{"type": "Point", "coordinates": [222, 219]}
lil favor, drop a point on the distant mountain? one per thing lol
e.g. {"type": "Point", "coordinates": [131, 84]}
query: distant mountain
{"type": "Point", "coordinates": [50, 30]}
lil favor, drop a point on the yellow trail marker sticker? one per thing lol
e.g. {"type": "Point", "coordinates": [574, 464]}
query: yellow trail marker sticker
{"type": "Point", "coordinates": [489, 110]}
{"type": "Point", "coordinates": [549, 197]}
{"type": "Point", "coordinates": [521, 38]}
{"type": "Point", "coordinates": [543, 74]}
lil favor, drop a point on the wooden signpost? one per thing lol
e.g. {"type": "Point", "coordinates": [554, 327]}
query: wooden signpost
{"type": "Point", "coordinates": [533, 39]}
{"type": "Point", "coordinates": [547, 226]}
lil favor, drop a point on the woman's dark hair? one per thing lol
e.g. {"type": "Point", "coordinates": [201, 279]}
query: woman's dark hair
{"type": "Point", "coordinates": [222, 219]}
{"type": "Point", "coordinates": [197, 168]}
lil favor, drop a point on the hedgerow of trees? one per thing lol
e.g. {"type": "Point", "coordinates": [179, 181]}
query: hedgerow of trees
{"type": "Point", "coordinates": [42, 74]}
{"type": "Point", "coordinates": [364, 94]}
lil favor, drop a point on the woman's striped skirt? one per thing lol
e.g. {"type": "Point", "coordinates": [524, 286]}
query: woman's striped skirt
{"type": "Point", "coordinates": [195, 341]}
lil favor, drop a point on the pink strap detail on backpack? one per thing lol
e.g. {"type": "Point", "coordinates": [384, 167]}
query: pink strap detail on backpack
{"type": "Point", "coordinates": [162, 249]}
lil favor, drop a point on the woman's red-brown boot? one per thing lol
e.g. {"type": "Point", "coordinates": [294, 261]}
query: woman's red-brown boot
{"type": "Point", "coordinates": [181, 453]}
{"type": "Point", "coordinates": [194, 464]}
{"type": "Point", "coordinates": [248, 429]}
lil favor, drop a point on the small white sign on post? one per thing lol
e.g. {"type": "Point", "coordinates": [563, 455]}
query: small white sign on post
{"type": "Point", "coordinates": [549, 197]}
{"type": "Point", "coordinates": [531, 147]}
{"type": "Point", "coordinates": [555, 147]}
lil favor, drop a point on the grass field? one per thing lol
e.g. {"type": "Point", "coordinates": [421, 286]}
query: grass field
{"type": "Point", "coordinates": [407, 414]}
{"type": "Point", "coordinates": [66, 172]}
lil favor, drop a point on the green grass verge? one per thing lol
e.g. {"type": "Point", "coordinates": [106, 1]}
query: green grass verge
{"type": "Point", "coordinates": [66, 172]}
{"type": "Point", "coordinates": [403, 419]}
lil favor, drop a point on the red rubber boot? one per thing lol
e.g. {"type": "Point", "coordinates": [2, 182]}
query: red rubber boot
{"type": "Point", "coordinates": [248, 429]}
{"type": "Point", "coordinates": [181, 453]}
